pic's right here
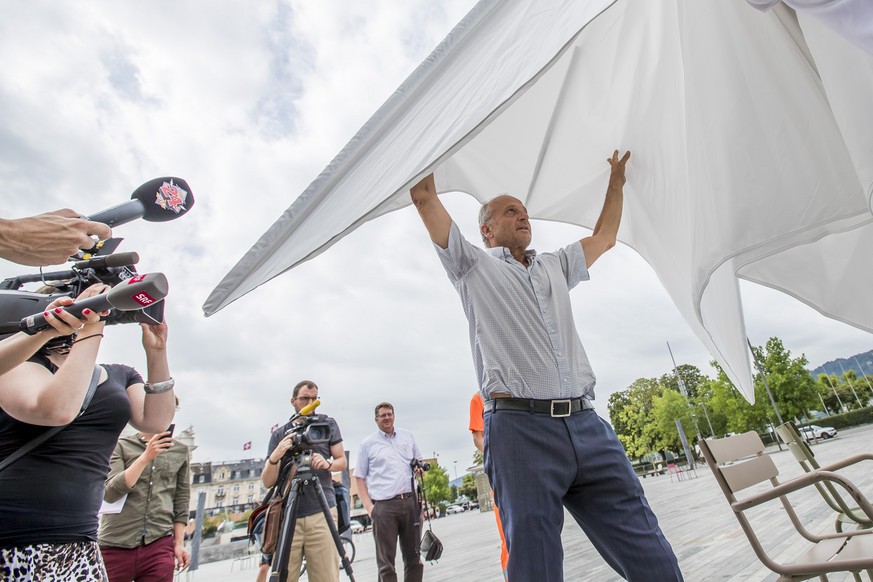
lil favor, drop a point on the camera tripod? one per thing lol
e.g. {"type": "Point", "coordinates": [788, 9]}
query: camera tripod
{"type": "Point", "coordinates": [304, 479]}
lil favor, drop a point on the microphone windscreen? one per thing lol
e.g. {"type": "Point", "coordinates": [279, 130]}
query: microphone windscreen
{"type": "Point", "coordinates": [164, 199]}
{"type": "Point", "coordinates": [307, 410]}
{"type": "Point", "coordinates": [139, 292]}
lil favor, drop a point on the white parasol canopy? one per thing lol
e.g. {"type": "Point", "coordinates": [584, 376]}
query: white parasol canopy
{"type": "Point", "coordinates": [751, 133]}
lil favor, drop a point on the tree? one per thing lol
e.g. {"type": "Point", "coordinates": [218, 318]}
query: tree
{"type": "Point", "coordinates": [468, 487]}
{"type": "Point", "coordinates": [667, 408]}
{"type": "Point", "coordinates": [630, 415]}
{"type": "Point", "coordinates": [790, 382]}
{"type": "Point", "coordinates": [692, 378]}
{"type": "Point", "coordinates": [436, 485]}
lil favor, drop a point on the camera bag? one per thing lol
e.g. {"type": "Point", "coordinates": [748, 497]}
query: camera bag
{"type": "Point", "coordinates": [431, 547]}
{"type": "Point", "coordinates": [265, 522]}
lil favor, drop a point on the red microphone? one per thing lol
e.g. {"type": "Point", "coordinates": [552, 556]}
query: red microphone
{"type": "Point", "coordinates": [131, 295]}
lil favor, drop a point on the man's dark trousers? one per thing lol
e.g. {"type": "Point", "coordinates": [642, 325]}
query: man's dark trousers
{"type": "Point", "coordinates": [392, 518]}
{"type": "Point", "coordinates": [539, 464]}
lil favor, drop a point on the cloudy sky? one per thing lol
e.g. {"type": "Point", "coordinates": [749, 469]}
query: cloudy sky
{"type": "Point", "coordinates": [249, 101]}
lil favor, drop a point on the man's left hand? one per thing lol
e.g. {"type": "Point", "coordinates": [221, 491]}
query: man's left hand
{"type": "Point", "coordinates": [319, 462]}
{"type": "Point", "coordinates": [182, 557]}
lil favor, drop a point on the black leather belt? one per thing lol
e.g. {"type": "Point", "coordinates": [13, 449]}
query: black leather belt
{"type": "Point", "coordinates": [400, 496]}
{"type": "Point", "coordinates": [551, 407]}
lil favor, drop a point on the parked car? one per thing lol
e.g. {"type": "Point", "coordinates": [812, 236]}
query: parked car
{"type": "Point", "coordinates": [454, 509]}
{"type": "Point", "coordinates": [815, 431]}
{"type": "Point", "coordinates": [356, 526]}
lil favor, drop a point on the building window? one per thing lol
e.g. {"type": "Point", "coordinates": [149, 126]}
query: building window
{"type": "Point", "coordinates": [236, 488]}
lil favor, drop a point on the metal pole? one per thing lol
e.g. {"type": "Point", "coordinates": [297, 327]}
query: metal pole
{"type": "Point", "coordinates": [198, 531]}
{"type": "Point", "coordinates": [861, 370]}
{"type": "Point", "coordinates": [849, 381]}
{"type": "Point", "coordinates": [831, 384]}
{"type": "Point", "coordinates": [706, 414]}
{"type": "Point", "coordinates": [823, 405]}
{"type": "Point", "coordinates": [767, 386]}
{"type": "Point", "coordinates": [684, 392]}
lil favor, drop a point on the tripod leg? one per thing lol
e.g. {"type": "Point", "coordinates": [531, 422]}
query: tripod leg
{"type": "Point", "coordinates": [281, 554]}
{"type": "Point", "coordinates": [325, 510]}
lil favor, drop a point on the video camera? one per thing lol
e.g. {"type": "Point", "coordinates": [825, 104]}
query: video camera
{"type": "Point", "coordinates": [313, 430]}
{"type": "Point", "coordinates": [157, 200]}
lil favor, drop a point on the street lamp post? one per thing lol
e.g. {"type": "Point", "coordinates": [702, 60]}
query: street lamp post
{"type": "Point", "coordinates": [456, 469]}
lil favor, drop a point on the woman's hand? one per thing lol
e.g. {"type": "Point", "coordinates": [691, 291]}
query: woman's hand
{"type": "Point", "coordinates": [64, 323]}
{"type": "Point", "coordinates": [154, 336]}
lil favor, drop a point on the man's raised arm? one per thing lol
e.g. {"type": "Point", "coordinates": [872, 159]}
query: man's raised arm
{"type": "Point", "coordinates": [434, 215]}
{"type": "Point", "coordinates": [606, 230]}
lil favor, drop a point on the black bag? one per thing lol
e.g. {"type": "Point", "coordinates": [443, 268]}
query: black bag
{"type": "Point", "coordinates": [431, 546]}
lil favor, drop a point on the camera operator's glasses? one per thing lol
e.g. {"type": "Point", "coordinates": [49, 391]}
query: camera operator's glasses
{"type": "Point", "coordinates": [306, 398]}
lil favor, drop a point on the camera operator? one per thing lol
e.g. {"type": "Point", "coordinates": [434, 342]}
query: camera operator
{"type": "Point", "coordinates": [49, 497]}
{"type": "Point", "coordinates": [312, 536]}
{"type": "Point", "coordinates": [384, 476]}
{"type": "Point", "coordinates": [48, 239]}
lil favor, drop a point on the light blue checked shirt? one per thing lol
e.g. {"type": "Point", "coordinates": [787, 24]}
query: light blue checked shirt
{"type": "Point", "coordinates": [383, 460]}
{"type": "Point", "coordinates": [522, 334]}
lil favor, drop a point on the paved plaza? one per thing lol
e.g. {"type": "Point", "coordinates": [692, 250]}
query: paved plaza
{"type": "Point", "coordinates": [693, 513]}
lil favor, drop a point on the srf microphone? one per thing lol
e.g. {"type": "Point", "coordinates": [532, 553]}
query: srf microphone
{"type": "Point", "coordinates": [131, 295]}
{"type": "Point", "coordinates": [157, 200]}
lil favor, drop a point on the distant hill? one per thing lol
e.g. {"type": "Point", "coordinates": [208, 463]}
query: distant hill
{"type": "Point", "coordinates": [861, 363]}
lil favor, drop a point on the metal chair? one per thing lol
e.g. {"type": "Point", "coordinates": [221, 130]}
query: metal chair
{"type": "Point", "coordinates": [847, 513]}
{"type": "Point", "coordinates": [739, 462]}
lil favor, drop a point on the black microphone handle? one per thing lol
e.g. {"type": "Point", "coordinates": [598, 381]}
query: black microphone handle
{"type": "Point", "coordinates": [36, 322]}
{"type": "Point", "coordinates": [114, 260]}
{"type": "Point", "coordinates": [121, 214]}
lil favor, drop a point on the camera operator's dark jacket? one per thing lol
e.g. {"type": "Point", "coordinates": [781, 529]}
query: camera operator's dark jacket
{"type": "Point", "coordinates": [308, 503]}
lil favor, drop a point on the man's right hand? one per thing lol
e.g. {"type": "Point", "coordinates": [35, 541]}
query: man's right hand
{"type": "Point", "coordinates": [434, 215]}
{"type": "Point", "coordinates": [281, 449]}
{"type": "Point", "coordinates": [50, 238]}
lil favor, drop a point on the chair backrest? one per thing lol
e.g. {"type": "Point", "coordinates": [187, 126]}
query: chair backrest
{"type": "Point", "coordinates": [797, 445]}
{"type": "Point", "coordinates": [738, 462]}
{"type": "Point", "coordinates": [803, 454]}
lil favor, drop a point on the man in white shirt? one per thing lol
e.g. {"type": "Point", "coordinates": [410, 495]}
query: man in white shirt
{"type": "Point", "coordinates": [384, 476]}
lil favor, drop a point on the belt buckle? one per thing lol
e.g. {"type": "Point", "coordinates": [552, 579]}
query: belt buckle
{"type": "Point", "coordinates": [561, 403]}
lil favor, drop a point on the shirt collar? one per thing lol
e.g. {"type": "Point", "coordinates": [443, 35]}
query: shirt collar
{"type": "Point", "coordinates": [503, 253]}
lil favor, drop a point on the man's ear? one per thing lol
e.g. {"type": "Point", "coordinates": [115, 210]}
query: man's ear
{"type": "Point", "coordinates": [485, 229]}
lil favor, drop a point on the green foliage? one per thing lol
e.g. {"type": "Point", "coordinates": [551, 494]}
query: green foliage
{"type": "Point", "coordinates": [468, 487]}
{"type": "Point", "coordinates": [644, 415]}
{"type": "Point", "coordinates": [667, 408]}
{"type": "Point", "coordinates": [792, 387]}
{"type": "Point", "coordinates": [849, 419]}
{"type": "Point", "coordinates": [210, 525]}
{"type": "Point", "coordinates": [630, 414]}
{"type": "Point", "coordinates": [436, 485]}
{"type": "Point", "coordinates": [478, 457]}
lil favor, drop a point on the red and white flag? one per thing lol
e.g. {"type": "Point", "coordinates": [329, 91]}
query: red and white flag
{"type": "Point", "coordinates": [247, 446]}
{"type": "Point", "coordinates": [274, 427]}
